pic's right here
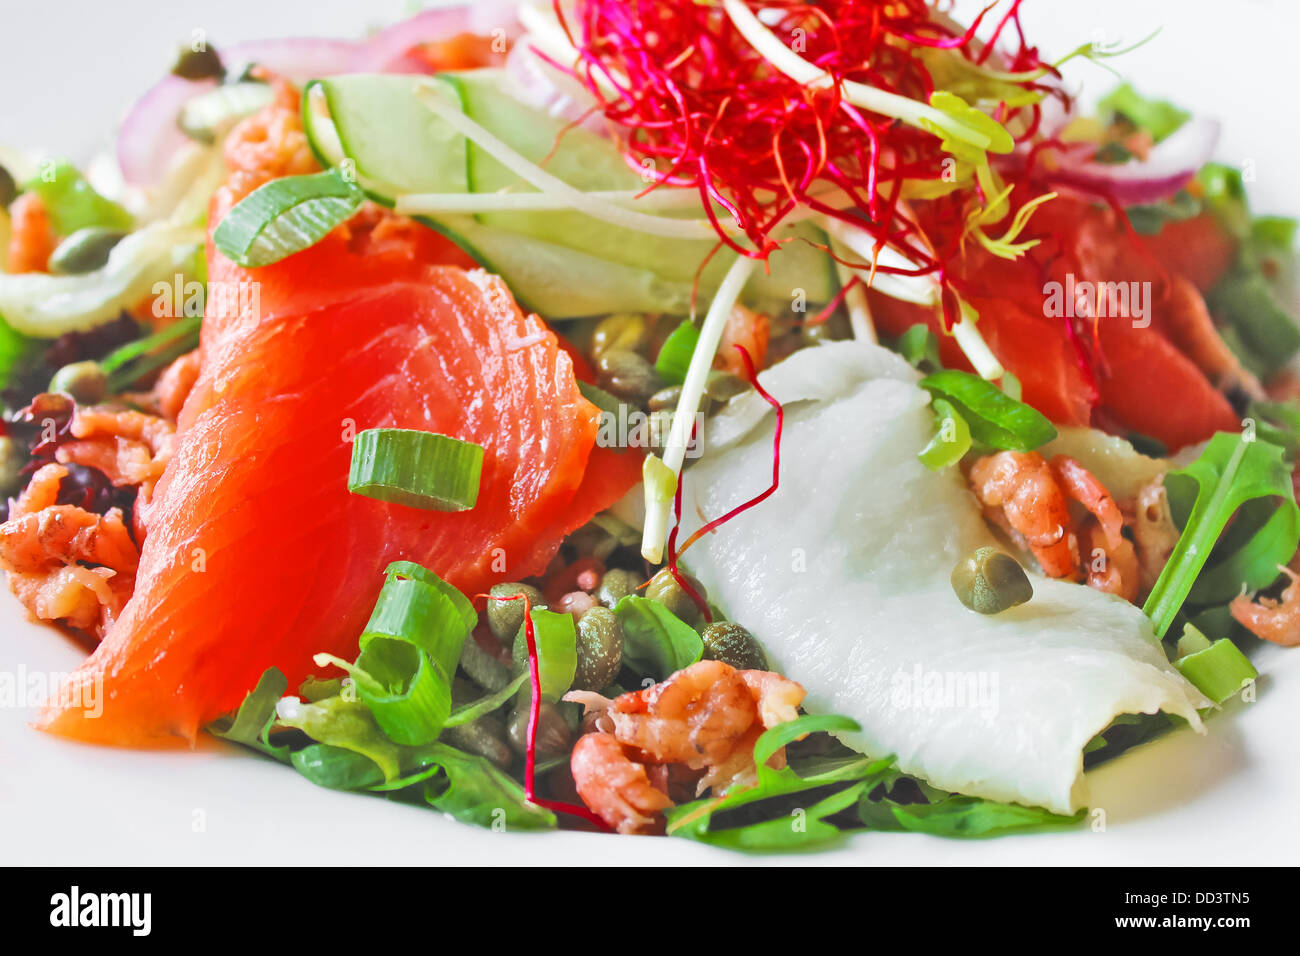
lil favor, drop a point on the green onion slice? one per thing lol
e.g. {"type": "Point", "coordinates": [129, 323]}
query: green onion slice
{"type": "Point", "coordinates": [412, 611]}
{"type": "Point", "coordinates": [675, 354]}
{"type": "Point", "coordinates": [1218, 670]}
{"type": "Point", "coordinates": [286, 216]}
{"type": "Point", "coordinates": [415, 468]}
{"type": "Point", "coordinates": [994, 417]}
{"type": "Point", "coordinates": [950, 442]}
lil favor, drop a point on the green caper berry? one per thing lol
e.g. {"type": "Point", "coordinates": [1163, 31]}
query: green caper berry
{"type": "Point", "coordinates": [86, 382]}
{"type": "Point", "coordinates": [664, 588]}
{"type": "Point", "coordinates": [627, 375]}
{"type": "Point", "coordinates": [723, 386]}
{"type": "Point", "coordinates": [485, 736]}
{"type": "Point", "coordinates": [991, 581]}
{"type": "Point", "coordinates": [8, 188]}
{"type": "Point", "coordinates": [625, 332]}
{"type": "Point", "coordinates": [616, 584]}
{"type": "Point", "coordinates": [666, 399]}
{"type": "Point", "coordinates": [84, 251]}
{"type": "Point", "coordinates": [734, 645]}
{"type": "Point", "coordinates": [204, 64]}
{"type": "Point", "coordinates": [600, 649]}
{"type": "Point", "coordinates": [506, 617]}
{"type": "Point", "coordinates": [553, 733]}
{"type": "Point", "coordinates": [483, 669]}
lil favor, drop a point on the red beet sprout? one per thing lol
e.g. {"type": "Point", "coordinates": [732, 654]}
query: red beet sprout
{"type": "Point", "coordinates": [679, 86]}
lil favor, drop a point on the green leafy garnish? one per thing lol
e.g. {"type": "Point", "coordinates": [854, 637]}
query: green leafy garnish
{"type": "Point", "coordinates": [415, 468]}
{"type": "Point", "coordinates": [286, 216]}
{"type": "Point", "coordinates": [656, 642]}
{"type": "Point", "coordinates": [994, 418]}
{"type": "Point", "coordinates": [961, 816]}
{"type": "Point", "coordinates": [1232, 472]}
{"type": "Point", "coordinates": [251, 724]}
{"type": "Point", "coordinates": [1157, 117]}
{"type": "Point", "coordinates": [557, 651]}
{"type": "Point", "coordinates": [676, 352]}
{"type": "Point", "coordinates": [72, 203]}
{"type": "Point", "coordinates": [920, 346]}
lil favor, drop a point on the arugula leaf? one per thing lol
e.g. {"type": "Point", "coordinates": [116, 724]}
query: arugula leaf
{"type": "Point", "coordinates": [994, 418]}
{"type": "Point", "coordinates": [961, 816]}
{"type": "Point", "coordinates": [348, 724]}
{"type": "Point", "coordinates": [473, 790]}
{"type": "Point", "coordinates": [744, 818]}
{"type": "Point", "coordinates": [251, 724]}
{"type": "Point", "coordinates": [336, 768]}
{"type": "Point", "coordinates": [1157, 117]}
{"type": "Point", "coordinates": [656, 642]}
{"type": "Point", "coordinates": [1231, 472]}
{"type": "Point", "coordinates": [286, 216]}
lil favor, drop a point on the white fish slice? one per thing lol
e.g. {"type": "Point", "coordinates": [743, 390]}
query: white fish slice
{"type": "Point", "coordinates": [844, 576]}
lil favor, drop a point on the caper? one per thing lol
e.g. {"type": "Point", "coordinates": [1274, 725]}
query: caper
{"type": "Point", "coordinates": [505, 617]}
{"type": "Point", "coordinates": [553, 732]}
{"type": "Point", "coordinates": [600, 649]}
{"type": "Point", "coordinates": [616, 584]}
{"type": "Point", "coordinates": [485, 736]}
{"type": "Point", "coordinates": [625, 332]}
{"type": "Point", "coordinates": [86, 382]}
{"type": "Point", "coordinates": [84, 251]}
{"type": "Point", "coordinates": [990, 581]}
{"type": "Point", "coordinates": [627, 375]}
{"type": "Point", "coordinates": [723, 386]}
{"type": "Point", "coordinates": [8, 188]}
{"type": "Point", "coordinates": [484, 669]}
{"type": "Point", "coordinates": [734, 645]}
{"type": "Point", "coordinates": [664, 588]}
{"type": "Point", "coordinates": [192, 64]}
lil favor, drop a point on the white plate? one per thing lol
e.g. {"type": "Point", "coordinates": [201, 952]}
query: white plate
{"type": "Point", "coordinates": [1227, 797]}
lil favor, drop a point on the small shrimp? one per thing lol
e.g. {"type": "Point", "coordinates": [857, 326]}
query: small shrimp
{"type": "Point", "coordinates": [32, 238]}
{"type": "Point", "coordinates": [748, 329]}
{"type": "Point", "coordinates": [694, 717]}
{"type": "Point", "coordinates": [616, 787]}
{"type": "Point", "coordinates": [1020, 491]}
{"type": "Point", "coordinates": [65, 534]}
{"type": "Point", "coordinates": [1082, 485]}
{"type": "Point", "coordinates": [1111, 567]}
{"type": "Point", "coordinates": [130, 447]}
{"type": "Point", "coordinates": [1154, 531]}
{"type": "Point", "coordinates": [777, 697]}
{"type": "Point", "coordinates": [1275, 621]}
{"type": "Point", "coordinates": [269, 144]}
{"type": "Point", "coordinates": [174, 385]}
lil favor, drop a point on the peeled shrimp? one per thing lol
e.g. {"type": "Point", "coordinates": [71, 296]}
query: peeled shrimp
{"type": "Point", "coordinates": [1020, 491]}
{"type": "Point", "coordinates": [1080, 484]}
{"type": "Point", "coordinates": [1276, 621]}
{"type": "Point", "coordinates": [694, 717]}
{"type": "Point", "coordinates": [1112, 566]}
{"type": "Point", "coordinates": [777, 697]}
{"type": "Point", "coordinates": [1154, 532]}
{"type": "Point", "coordinates": [615, 787]}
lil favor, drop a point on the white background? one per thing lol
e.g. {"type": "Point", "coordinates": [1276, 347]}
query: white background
{"type": "Point", "coordinates": [67, 72]}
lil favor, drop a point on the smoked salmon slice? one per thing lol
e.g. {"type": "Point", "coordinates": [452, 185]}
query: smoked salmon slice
{"type": "Point", "coordinates": [257, 555]}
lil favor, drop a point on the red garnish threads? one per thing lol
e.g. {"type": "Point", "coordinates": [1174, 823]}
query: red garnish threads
{"type": "Point", "coordinates": [534, 715]}
{"type": "Point", "coordinates": [694, 105]}
{"type": "Point", "coordinates": [673, 552]}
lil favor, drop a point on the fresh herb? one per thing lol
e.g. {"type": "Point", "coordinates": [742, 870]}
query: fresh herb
{"type": "Point", "coordinates": [961, 816]}
{"type": "Point", "coordinates": [286, 216]}
{"type": "Point", "coordinates": [675, 354]}
{"type": "Point", "coordinates": [994, 418]}
{"type": "Point", "coordinates": [251, 724]}
{"type": "Point", "coordinates": [417, 469]}
{"type": "Point", "coordinates": [1157, 117]}
{"type": "Point", "coordinates": [951, 439]}
{"type": "Point", "coordinates": [1232, 472]}
{"type": "Point", "coordinates": [656, 642]}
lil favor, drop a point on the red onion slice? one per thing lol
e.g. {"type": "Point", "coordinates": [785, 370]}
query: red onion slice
{"type": "Point", "coordinates": [149, 137]}
{"type": "Point", "coordinates": [1169, 166]}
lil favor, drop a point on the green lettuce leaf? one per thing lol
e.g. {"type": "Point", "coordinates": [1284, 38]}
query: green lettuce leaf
{"type": "Point", "coordinates": [656, 642]}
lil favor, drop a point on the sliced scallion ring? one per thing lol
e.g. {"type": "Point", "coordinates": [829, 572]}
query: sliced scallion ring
{"type": "Point", "coordinates": [415, 468]}
{"type": "Point", "coordinates": [286, 216]}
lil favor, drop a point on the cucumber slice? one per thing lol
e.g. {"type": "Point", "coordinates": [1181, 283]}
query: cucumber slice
{"type": "Point", "coordinates": [561, 264]}
{"type": "Point", "coordinates": [398, 146]}
{"type": "Point", "coordinates": [562, 283]}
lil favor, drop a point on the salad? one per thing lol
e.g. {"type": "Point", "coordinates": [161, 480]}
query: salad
{"type": "Point", "coordinates": [749, 422]}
